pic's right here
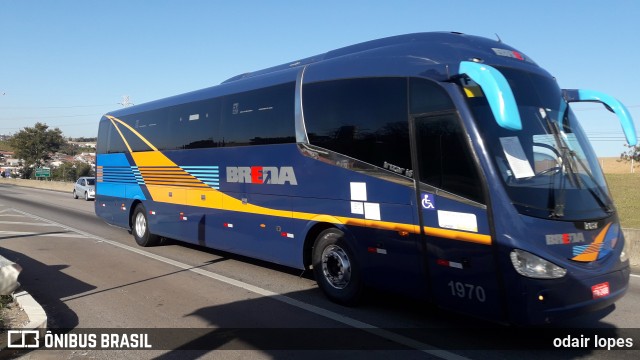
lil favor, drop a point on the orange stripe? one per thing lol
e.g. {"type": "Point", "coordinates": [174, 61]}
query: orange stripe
{"type": "Point", "coordinates": [158, 193]}
{"type": "Point", "coordinates": [592, 251]}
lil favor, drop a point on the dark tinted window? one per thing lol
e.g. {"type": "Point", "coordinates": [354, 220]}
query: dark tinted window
{"type": "Point", "coordinates": [109, 140]}
{"type": "Point", "coordinates": [103, 136]}
{"type": "Point", "coordinates": [365, 119]}
{"type": "Point", "coordinates": [143, 123]}
{"type": "Point", "coordinates": [264, 116]}
{"type": "Point", "coordinates": [194, 125]}
{"type": "Point", "coordinates": [427, 96]}
{"type": "Point", "coordinates": [445, 159]}
{"type": "Point", "coordinates": [187, 126]}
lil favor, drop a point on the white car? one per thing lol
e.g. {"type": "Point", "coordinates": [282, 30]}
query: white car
{"type": "Point", "coordinates": [85, 187]}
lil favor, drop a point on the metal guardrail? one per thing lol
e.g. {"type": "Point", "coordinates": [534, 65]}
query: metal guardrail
{"type": "Point", "coordinates": [632, 236]}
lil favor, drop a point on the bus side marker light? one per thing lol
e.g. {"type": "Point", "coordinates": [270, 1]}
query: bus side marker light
{"type": "Point", "coordinates": [288, 235]}
{"type": "Point", "coordinates": [123, 208]}
{"type": "Point", "coordinates": [182, 217]}
{"type": "Point", "coordinates": [447, 263]}
{"type": "Point", "coordinates": [263, 226]}
{"type": "Point", "coordinates": [403, 233]}
{"type": "Point", "coordinates": [227, 225]}
{"type": "Point", "coordinates": [151, 212]}
{"type": "Point", "coordinates": [374, 250]}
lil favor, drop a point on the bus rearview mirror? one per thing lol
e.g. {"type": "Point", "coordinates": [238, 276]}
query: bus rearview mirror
{"type": "Point", "coordinates": [611, 103]}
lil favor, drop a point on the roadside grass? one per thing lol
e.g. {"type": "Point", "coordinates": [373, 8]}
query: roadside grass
{"type": "Point", "coordinates": [625, 190]}
{"type": "Point", "coordinates": [4, 301]}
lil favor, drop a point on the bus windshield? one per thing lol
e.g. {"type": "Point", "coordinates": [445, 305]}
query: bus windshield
{"type": "Point", "coordinates": [548, 168]}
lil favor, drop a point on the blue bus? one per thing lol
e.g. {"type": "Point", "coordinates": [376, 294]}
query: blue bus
{"type": "Point", "coordinates": [438, 165]}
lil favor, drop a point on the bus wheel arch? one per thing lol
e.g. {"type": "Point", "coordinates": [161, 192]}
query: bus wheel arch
{"type": "Point", "coordinates": [335, 267]}
{"type": "Point", "coordinates": [139, 223]}
{"type": "Point", "coordinates": [312, 235]}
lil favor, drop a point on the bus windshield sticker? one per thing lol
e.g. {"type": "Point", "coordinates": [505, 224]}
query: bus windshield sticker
{"type": "Point", "coordinates": [516, 158]}
{"type": "Point", "coordinates": [457, 221]}
{"type": "Point", "coordinates": [372, 211]}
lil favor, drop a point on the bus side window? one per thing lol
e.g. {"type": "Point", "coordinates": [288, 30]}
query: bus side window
{"type": "Point", "coordinates": [259, 117]}
{"type": "Point", "coordinates": [428, 97]}
{"type": "Point", "coordinates": [193, 126]}
{"type": "Point", "coordinates": [110, 140]}
{"type": "Point", "coordinates": [103, 134]}
{"type": "Point", "coordinates": [363, 118]}
{"type": "Point", "coordinates": [143, 124]}
{"type": "Point", "coordinates": [445, 159]}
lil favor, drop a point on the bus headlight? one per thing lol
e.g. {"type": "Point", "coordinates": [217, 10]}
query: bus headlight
{"type": "Point", "coordinates": [624, 254]}
{"type": "Point", "coordinates": [529, 265]}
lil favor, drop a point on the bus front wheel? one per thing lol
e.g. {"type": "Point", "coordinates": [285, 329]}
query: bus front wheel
{"type": "Point", "coordinates": [140, 228]}
{"type": "Point", "coordinates": [335, 268]}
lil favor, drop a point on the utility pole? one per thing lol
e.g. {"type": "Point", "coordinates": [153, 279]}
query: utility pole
{"type": "Point", "coordinates": [125, 101]}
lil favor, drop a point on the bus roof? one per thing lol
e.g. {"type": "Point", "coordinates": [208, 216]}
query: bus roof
{"type": "Point", "coordinates": [435, 55]}
{"type": "Point", "coordinates": [439, 47]}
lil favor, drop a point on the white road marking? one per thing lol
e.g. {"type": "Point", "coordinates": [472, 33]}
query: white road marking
{"type": "Point", "coordinates": [400, 339]}
{"type": "Point", "coordinates": [31, 233]}
{"type": "Point", "coordinates": [24, 223]}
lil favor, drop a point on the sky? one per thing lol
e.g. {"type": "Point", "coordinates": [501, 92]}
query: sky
{"type": "Point", "coordinates": [67, 62]}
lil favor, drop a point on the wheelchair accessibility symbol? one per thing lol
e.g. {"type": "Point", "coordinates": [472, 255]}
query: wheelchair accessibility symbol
{"type": "Point", "coordinates": [428, 202]}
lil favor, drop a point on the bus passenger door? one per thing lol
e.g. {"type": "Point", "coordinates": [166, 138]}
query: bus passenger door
{"type": "Point", "coordinates": [456, 241]}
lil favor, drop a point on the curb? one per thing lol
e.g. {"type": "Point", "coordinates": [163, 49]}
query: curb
{"type": "Point", "coordinates": [37, 323]}
{"type": "Point", "coordinates": [35, 312]}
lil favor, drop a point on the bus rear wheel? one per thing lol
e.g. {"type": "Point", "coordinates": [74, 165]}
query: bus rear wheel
{"type": "Point", "coordinates": [140, 228]}
{"type": "Point", "coordinates": [335, 268]}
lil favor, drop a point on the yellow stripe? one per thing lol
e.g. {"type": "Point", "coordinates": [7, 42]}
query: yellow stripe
{"type": "Point", "coordinates": [126, 143]}
{"type": "Point", "coordinates": [152, 163]}
{"type": "Point", "coordinates": [133, 131]}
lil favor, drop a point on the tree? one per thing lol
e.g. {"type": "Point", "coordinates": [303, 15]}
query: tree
{"type": "Point", "coordinates": [632, 154]}
{"type": "Point", "coordinates": [35, 145]}
{"type": "Point", "coordinates": [71, 171]}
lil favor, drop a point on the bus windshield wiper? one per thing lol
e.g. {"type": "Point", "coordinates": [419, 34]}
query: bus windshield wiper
{"type": "Point", "coordinates": [571, 160]}
{"type": "Point", "coordinates": [559, 193]}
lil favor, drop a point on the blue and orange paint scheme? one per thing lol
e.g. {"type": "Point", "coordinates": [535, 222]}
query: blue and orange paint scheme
{"type": "Point", "coordinates": [455, 253]}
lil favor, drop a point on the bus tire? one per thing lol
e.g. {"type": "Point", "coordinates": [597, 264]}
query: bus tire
{"type": "Point", "coordinates": [335, 268]}
{"type": "Point", "coordinates": [140, 228]}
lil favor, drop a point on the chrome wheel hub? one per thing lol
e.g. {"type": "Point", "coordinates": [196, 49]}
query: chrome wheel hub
{"type": "Point", "coordinates": [336, 266]}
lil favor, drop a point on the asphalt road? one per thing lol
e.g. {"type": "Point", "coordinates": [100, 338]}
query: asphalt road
{"type": "Point", "coordinates": [193, 302]}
